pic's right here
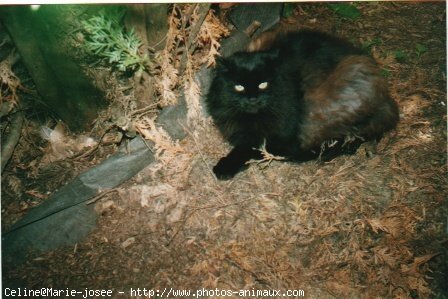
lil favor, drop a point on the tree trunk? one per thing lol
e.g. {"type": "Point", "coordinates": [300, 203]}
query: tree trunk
{"type": "Point", "coordinates": [42, 43]}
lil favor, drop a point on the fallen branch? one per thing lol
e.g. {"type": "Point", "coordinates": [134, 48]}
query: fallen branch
{"type": "Point", "coordinates": [13, 138]}
{"type": "Point", "coordinates": [192, 37]}
{"type": "Point", "coordinates": [203, 11]}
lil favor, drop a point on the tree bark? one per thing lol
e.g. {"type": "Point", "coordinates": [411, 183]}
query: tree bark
{"type": "Point", "coordinates": [13, 138]}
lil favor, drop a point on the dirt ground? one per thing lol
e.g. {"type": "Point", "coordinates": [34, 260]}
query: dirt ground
{"type": "Point", "coordinates": [372, 225]}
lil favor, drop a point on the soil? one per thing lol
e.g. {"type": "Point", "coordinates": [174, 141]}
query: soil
{"type": "Point", "coordinates": [369, 225]}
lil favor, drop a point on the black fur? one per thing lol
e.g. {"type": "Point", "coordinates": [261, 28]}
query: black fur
{"type": "Point", "coordinates": [319, 89]}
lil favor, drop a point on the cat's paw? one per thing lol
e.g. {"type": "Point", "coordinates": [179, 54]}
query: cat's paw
{"type": "Point", "coordinates": [225, 169]}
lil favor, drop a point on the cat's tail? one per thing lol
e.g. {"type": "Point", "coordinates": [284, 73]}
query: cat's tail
{"type": "Point", "coordinates": [353, 100]}
{"type": "Point", "coordinates": [381, 114]}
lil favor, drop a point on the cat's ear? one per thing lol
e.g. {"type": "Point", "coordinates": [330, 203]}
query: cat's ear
{"type": "Point", "coordinates": [224, 64]}
{"type": "Point", "coordinates": [273, 55]}
{"type": "Point", "coordinates": [220, 60]}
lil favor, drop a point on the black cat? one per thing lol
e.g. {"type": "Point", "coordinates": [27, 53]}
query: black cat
{"type": "Point", "coordinates": [307, 95]}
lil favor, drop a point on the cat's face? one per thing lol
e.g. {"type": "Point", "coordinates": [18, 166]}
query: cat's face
{"type": "Point", "coordinates": [248, 80]}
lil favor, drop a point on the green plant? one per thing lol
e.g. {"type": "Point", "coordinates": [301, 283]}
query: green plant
{"type": "Point", "coordinates": [420, 49]}
{"type": "Point", "coordinates": [400, 56]}
{"type": "Point", "coordinates": [385, 73]}
{"type": "Point", "coordinates": [367, 46]}
{"type": "Point", "coordinates": [288, 10]}
{"type": "Point", "coordinates": [344, 10]}
{"type": "Point", "coordinates": [106, 38]}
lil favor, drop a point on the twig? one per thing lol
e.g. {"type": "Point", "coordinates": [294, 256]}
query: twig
{"type": "Point", "coordinates": [93, 149]}
{"type": "Point", "coordinates": [191, 42]}
{"type": "Point", "coordinates": [183, 19]}
{"type": "Point", "coordinates": [267, 156]}
{"type": "Point", "coordinates": [203, 11]}
{"type": "Point", "coordinates": [101, 195]}
{"type": "Point", "coordinates": [4, 41]}
{"type": "Point", "coordinates": [147, 145]}
{"type": "Point", "coordinates": [216, 207]}
{"type": "Point", "coordinates": [143, 110]}
{"type": "Point", "coordinates": [231, 261]}
{"type": "Point", "coordinates": [250, 30]}
{"type": "Point", "coordinates": [13, 138]}
{"type": "Point", "coordinates": [151, 48]}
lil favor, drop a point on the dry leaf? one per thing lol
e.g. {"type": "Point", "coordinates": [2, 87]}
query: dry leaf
{"type": "Point", "coordinates": [128, 242]}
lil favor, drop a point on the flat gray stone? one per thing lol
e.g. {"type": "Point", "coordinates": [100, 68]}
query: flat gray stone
{"type": "Point", "coordinates": [65, 218]}
{"type": "Point", "coordinates": [268, 14]}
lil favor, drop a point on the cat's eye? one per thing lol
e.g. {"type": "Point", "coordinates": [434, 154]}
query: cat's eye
{"type": "Point", "coordinates": [239, 88]}
{"type": "Point", "coordinates": [263, 85]}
